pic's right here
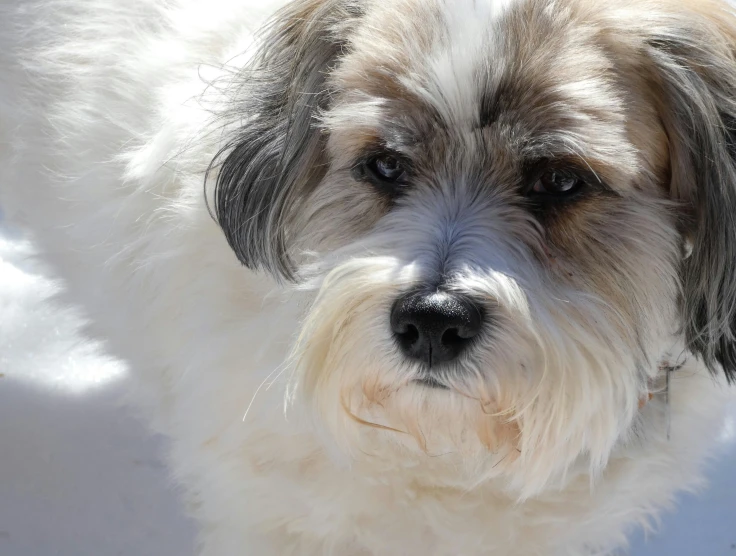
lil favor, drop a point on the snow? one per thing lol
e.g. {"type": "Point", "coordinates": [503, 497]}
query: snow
{"type": "Point", "coordinates": [80, 476]}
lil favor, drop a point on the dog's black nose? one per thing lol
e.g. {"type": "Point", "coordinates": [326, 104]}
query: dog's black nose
{"type": "Point", "coordinates": [435, 327]}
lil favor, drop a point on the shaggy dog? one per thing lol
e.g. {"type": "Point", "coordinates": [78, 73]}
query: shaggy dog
{"type": "Point", "coordinates": [394, 276]}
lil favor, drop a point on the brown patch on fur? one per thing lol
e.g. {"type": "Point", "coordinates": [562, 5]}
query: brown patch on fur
{"type": "Point", "coordinates": [376, 392]}
{"type": "Point", "coordinates": [496, 433]}
{"type": "Point", "coordinates": [594, 236]}
{"type": "Point", "coordinates": [385, 47]}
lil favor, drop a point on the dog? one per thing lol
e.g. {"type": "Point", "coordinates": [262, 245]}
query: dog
{"type": "Point", "coordinates": [394, 276]}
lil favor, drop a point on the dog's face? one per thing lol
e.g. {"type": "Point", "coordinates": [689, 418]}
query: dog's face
{"type": "Point", "coordinates": [515, 211]}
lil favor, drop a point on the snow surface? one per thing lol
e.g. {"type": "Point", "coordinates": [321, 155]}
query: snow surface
{"type": "Point", "coordinates": [80, 476]}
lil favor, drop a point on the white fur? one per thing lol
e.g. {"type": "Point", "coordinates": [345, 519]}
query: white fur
{"type": "Point", "coordinates": [105, 135]}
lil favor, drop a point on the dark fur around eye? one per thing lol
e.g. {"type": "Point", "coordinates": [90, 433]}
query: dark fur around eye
{"type": "Point", "coordinates": [388, 172]}
{"type": "Point", "coordinates": [548, 183]}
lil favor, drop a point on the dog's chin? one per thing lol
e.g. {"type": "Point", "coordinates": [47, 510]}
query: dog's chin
{"type": "Point", "coordinates": [422, 425]}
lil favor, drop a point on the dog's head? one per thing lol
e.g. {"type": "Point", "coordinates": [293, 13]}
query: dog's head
{"type": "Point", "coordinates": [514, 210]}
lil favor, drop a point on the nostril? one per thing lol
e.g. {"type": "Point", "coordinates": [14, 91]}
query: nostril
{"type": "Point", "coordinates": [408, 335]}
{"type": "Point", "coordinates": [451, 338]}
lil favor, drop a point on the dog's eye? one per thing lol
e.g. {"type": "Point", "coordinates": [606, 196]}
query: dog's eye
{"type": "Point", "coordinates": [387, 168]}
{"type": "Point", "coordinates": [557, 183]}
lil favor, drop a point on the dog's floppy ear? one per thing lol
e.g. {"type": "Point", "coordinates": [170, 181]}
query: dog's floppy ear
{"type": "Point", "coordinates": [695, 71]}
{"type": "Point", "coordinates": [276, 155]}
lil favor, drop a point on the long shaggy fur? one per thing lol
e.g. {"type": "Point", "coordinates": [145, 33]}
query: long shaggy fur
{"type": "Point", "coordinates": [199, 175]}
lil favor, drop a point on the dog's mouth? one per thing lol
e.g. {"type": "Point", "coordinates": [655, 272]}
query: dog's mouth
{"type": "Point", "coordinates": [431, 382]}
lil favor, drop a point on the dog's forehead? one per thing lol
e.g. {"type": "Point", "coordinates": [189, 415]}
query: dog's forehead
{"type": "Point", "coordinates": [467, 49]}
{"type": "Point", "coordinates": [535, 73]}
{"type": "Point", "coordinates": [432, 49]}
